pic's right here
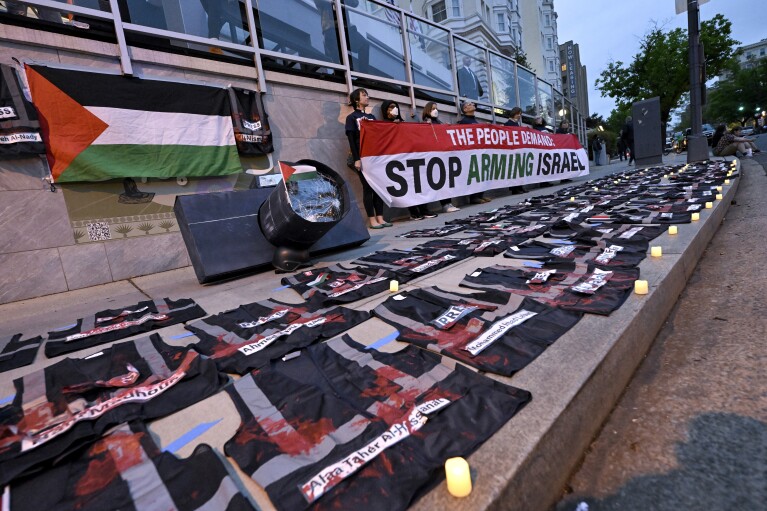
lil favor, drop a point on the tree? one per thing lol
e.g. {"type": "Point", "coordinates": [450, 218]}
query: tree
{"type": "Point", "coordinates": [521, 58]}
{"type": "Point", "coordinates": [617, 118]}
{"type": "Point", "coordinates": [594, 120]}
{"type": "Point", "coordinates": [737, 97]}
{"type": "Point", "coordinates": [662, 68]}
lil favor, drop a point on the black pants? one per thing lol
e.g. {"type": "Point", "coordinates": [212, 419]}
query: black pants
{"type": "Point", "coordinates": [370, 199]}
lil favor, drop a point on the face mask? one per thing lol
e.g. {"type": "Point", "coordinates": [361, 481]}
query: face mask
{"type": "Point", "coordinates": [394, 112]}
{"type": "Point", "coordinates": [434, 113]}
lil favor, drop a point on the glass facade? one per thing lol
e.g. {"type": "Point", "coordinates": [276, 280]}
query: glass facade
{"type": "Point", "coordinates": [362, 41]}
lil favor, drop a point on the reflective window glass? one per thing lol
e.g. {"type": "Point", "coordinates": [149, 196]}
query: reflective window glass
{"type": "Point", "coordinates": [430, 55]}
{"type": "Point", "coordinates": [527, 88]}
{"type": "Point", "coordinates": [546, 98]}
{"type": "Point", "coordinates": [504, 82]}
{"type": "Point", "coordinates": [472, 71]}
{"type": "Point", "coordinates": [299, 27]}
{"type": "Point", "coordinates": [374, 39]}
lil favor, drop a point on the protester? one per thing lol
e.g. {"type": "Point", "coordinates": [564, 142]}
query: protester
{"type": "Point", "coordinates": [515, 117]}
{"type": "Point", "coordinates": [540, 125]}
{"type": "Point", "coordinates": [729, 143]}
{"type": "Point", "coordinates": [621, 146]}
{"type": "Point", "coordinates": [468, 109]}
{"type": "Point", "coordinates": [359, 99]}
{"type": "Point", "coordinates": [430, 114]}
{"type": "Point", "coordinates": [564, 128]}
{"type": "Point", "coordinates": [720, 130]}
{"type": "Point", "coordinates": [628, 137]}
{"type": "Point", "coordinates": [391, 113]}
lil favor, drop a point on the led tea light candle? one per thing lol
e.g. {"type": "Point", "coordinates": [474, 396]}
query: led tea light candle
{"type": "Point", "coordinates": [641, 287]}
{"type": "Point", "coordinates": [572, 199]}
{"type": "Point", "coordinates": [656, 251]}
{"type": "Point", "coordinates": [726, 181]}
{"type": "Point", "coordinates": [672, 229]}
{"type": "Point", "coordinates": [718, 188]}
{"type": "Point", "coordinates": [393, 286]}
{"type": "Point", "coordinates": [596, 189]}
{"type": "Point", "coordinates": [458, 477]}
{"type": "Point", "coordinates": [719, 196]}
{"type": "Point", "coordinates": [665, 176]}
{"type": "Point", "coordinates": [695, 217]}
{"type": "Point", "coordinates": [709, 205]}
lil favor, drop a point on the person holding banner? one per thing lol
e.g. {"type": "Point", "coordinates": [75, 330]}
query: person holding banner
{"type": "Point", "coordinates": [390, 113]}
{"type": "Point", "coordinates": [430, 115]}
{"type": "Point", "coordinates": [468, 109]}
{"type": "Point", "coordinates": [359, 99]}
{"type": "Point", "coordinates": [515, 118]}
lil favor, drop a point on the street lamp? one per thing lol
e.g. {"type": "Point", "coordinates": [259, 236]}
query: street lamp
{"type": "Point", "coordinates": [740, 109]}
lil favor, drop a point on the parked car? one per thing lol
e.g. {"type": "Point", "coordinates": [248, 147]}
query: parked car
{"type": "Point", "coordinates": [708, 131]}
{"type": "Point", "coordinates": [748, 130]}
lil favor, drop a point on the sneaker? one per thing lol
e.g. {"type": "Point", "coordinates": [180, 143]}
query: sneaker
{"type": "Point", "coordinates": [449, 208]}
{"type": "Point", "coordinates": [749, 153]}
{"type": "Point", "coordinates": [416, 218]}
{"type": "Point", "coordinates": [430, 215]}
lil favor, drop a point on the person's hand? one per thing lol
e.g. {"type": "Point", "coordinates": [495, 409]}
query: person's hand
{"type": "Point", "coordinates": [358, 165]}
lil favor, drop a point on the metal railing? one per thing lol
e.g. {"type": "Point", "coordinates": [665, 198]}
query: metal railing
{"type": "Point", "coordinates": [396, 18]}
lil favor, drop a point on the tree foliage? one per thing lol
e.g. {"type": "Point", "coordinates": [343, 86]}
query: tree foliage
{"type": "Point", "coordinates": [738, 96]}
{"type": "Point", "coordinates": [662, 68]}
{"type": "Point", "coordinates": [594, 120]}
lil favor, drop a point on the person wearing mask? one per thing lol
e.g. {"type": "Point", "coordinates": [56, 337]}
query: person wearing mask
{"type": "Point", "coordinates": [540, 125]}
{"type": "Point", "coordinates": [468, 109]}
{"type": "Point", "coordinates": [390, 113]}
{"type": "Point", "coordinates": [628, 137]}
{"type": "Point", "coordinates": [515, 117]}
{"type": "Point", "coordinates": [430, 115]}
{"type": "Point", "coordinates": [564, 128]}
{"type": "Point", "coordinates": [360, 100]}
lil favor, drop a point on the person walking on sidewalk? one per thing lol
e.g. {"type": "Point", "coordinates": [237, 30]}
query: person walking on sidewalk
{"type": "Point", "coordinates": [596, 147]}
{"type": "Point", "coordinates": [628, 137]}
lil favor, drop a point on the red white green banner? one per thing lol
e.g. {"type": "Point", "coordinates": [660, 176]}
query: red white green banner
{"type": "Point", "coordinates": [415, 163]}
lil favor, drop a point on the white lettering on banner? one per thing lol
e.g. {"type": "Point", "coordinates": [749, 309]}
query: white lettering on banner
{"type": "Point", "coordinates": [694, 207]}
{"type": "Point", "coordinates": [497, 330]}
{"type": "Point", "coordinates": [117, 326]}
{"type": "Point", "coordinates": [252, 126]}
{"type": "Point", "coordinates": [263, 319]}
{"type": "Point", "coordinates": [7, 112]}
{"type": "Point", "coordinates": [356, 287]}
{"type": "Point", "coordinates": [330, 476]}
{"type": "Point", "coordinates": [20, 137]}
{"type": "Point", "coordinates": [608, 254]}
{"type": "Point", "coordinates": [253, 139]}
{"type": "Point", "coordinates": [135, 395]}
{"type": "Point", "coordinates": [434, 262]}
{"type": "Point", "coordinates": [596, 280]}
{"type": "Point", "coordinates": [262, 343]}
{"type": "Point", "coordinates": [453, 314]}
{"type": "Point", "coordinates": [454, 160]}
{"type": "Point", "coordinates": [630, 233]}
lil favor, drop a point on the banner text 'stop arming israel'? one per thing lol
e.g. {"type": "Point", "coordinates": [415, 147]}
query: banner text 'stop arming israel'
{"type": "Point", "coordinates": [415, 163]}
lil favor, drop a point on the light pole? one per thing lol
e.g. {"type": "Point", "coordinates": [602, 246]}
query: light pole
{"type": "Point", "coordinates": [697, 145]}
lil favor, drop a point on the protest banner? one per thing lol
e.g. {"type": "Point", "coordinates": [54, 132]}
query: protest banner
{"type": "Point", "coordinates": [416, 163]}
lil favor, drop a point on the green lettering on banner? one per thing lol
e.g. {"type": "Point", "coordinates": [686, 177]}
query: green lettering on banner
{"type": "Point", "coordinates": [499, 166]}
{"type": "Point", "coordinates": [485, 167]}
{"type": "Point", "coordinates": [519, 166]}
{"type": "Point", "coordinates": [473, 170]}
{"type": "Point", "coordinates": [529, 164]}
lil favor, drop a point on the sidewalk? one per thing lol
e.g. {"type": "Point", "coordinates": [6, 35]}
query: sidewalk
{"type": "Point", "coordinates": [690, 432]}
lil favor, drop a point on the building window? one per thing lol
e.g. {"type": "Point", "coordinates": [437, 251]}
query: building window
{"type": "Point", "coordinates": [438, 11]}
{"type": "Point", "coordinates": [551, 66]}
{"type": "Point", "coordinates": [549, 43]}
{"type": "Point", "coordinates": [547, 20]}
{"type": "Point", "coordinates": [501, 23]}
{"type": "Point", "coordinates": [456, 8]}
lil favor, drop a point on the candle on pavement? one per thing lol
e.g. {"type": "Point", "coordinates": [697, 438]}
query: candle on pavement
{"type": "Point", "coordinates": [458, 477]}
{"type": "Point", "coordinates": [656, 251]}
{"type": "Point", "coordinates": [641, 287]}
{"type": "Point", "coordinates": [393, 286]}
{"type": "Point", "coordinates": [672, 229]}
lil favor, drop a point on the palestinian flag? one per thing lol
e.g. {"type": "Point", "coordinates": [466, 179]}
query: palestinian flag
{"type": "Point", "coordinates": [98, 126]}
